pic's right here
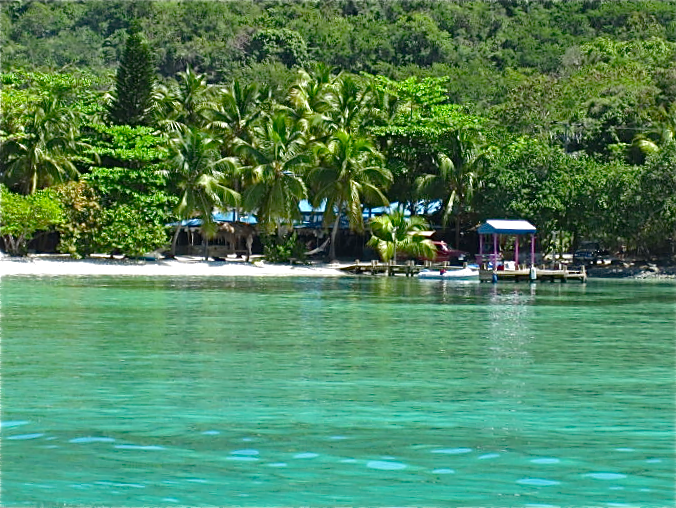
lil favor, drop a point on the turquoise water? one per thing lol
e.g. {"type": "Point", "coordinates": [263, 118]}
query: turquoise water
{"type": "Point", "coordinates": [326, 392]}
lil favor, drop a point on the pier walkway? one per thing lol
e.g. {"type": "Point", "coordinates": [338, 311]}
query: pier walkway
{"type": "Point", "coordinates": [560, 273]}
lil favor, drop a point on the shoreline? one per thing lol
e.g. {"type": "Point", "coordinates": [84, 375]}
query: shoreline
{"type": "Point", "coordinates": [55, 265]}
{"type": "Point", "coordinates": [187, 266]}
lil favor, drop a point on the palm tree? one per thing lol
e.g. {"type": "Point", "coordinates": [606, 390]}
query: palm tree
{"type": "Point", "coordinates": [395, 233]}
{"type": "Point", "coordinates": [350, 104]}
{"type": "Point", "coordinates": [350, 169]}
{"type": "Point", "coordinates": [312, 100]}
{"type": "Point", "coordinates": [41, 152]}
{"type": "Point", "coordinates": [459, 176]}
{"type": "Point", "coordinates": [184, 103]}
{"type": "Point", "coordinates": [236, 110]}
{"type": "Point", "coordinates": [279, 154]}
{"type": "Point", "coordinates": [200, 175]}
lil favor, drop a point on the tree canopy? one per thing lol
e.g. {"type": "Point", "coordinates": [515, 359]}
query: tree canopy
{"type": "Point", "coordinates": [562, 113]}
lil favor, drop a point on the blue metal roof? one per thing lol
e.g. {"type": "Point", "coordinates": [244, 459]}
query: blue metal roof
{"type": "Point", "coordinates": [216, 217]}
{"type": "Point", "coordinates": [507, 227]}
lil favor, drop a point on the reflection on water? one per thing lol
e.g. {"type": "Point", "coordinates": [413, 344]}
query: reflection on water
{"type": "Point", "coordinates": [332, 392]}
{"type": "Point", "coordinates": [509, 360]}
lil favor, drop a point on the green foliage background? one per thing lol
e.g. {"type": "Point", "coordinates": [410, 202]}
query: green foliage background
{"type": "Point", "coordinates": [572, 105]}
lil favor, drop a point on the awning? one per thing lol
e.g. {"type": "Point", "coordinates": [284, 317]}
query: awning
{"type": "Point", "coordinates": [506, 227]}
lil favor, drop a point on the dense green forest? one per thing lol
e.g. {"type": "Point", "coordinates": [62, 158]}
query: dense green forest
{"type": "Point", "coordinates": [118, 117]}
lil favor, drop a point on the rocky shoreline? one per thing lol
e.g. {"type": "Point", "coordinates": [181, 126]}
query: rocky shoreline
{"type": "Point", "coordinates": [633, 271]}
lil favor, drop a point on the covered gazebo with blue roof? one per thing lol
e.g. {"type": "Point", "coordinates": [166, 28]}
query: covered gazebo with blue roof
{"type": "Point", "coordinates": [497, 227]}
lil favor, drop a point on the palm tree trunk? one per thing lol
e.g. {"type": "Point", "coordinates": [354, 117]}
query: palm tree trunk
{"type": "Point", "coordinates": [174, 240]}
{"type": "Point", "coordinates": [334, 235]}
{"type": "Point", "coordinates": [458, 217]}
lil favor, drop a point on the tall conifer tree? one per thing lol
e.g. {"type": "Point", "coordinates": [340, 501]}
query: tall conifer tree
{"type": "Point", "coordinates": [134, 81]}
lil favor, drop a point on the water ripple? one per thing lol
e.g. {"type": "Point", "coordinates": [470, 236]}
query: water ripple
{"type": "Point", "coordinates": [606, 476]}
{"type": "Point", "coordinates": [12, 423]}
{"type": "Point", "coordinates": [242, 458]}
{"type": "Point", "coordinates": [443, 470]}
{"type": "Point", "coordinates": [453, 451]}
{"type": "Point", "coordinates": [248, 451]}
{"type": "Point", "coordinates": [139, 447]}
{"type": "Point", "coordinates": [545, 460]}
{"type": "Point", "coordinates": [117, 484]}
{"type": "Point", "coordinates": [91, 440]}
{"type": "Point", "coordinates": [25, 436]}
{"type": "Point", "coordinates": [385, 466]}
{"type": "Point", "coordinates": [308, 455]}
{"type": "Point", "coordinates": [537, 482]}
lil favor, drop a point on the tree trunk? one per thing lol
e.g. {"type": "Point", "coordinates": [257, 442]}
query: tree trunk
{"type": "Point", "coordinates": [15, 245]}
{"type": "Point", "coordinates": [174, 241]}
{"type": "Point", "coordinates": [458, 217]}
{"type": "Point", "coordinates": [249, 244]}
{"type": "Point", "coordinates": [334, 235]}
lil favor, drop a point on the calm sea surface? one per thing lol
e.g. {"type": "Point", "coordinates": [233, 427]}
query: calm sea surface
{"type": "Point", "coordinates": [341, 391]}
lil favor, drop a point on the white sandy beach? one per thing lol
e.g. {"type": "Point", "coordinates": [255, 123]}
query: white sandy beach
{"type": "Point", "coordinates": [182, 266]}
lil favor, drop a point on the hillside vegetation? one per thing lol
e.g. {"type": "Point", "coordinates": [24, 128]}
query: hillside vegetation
{"type": "Point", "coordinates": [133, 114]}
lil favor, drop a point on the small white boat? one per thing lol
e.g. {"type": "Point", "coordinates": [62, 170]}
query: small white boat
{"type": "Point", "coordinates": [468, 273]}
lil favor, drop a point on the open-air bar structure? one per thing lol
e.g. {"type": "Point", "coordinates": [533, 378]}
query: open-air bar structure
{"type": "Point", "coordinates": [494, 228]}
{"type": "Point", "coordinates": [490, 267]}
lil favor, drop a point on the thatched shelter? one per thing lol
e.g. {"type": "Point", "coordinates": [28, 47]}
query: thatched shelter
{"type": "Point", "coordinates": [237, 237]}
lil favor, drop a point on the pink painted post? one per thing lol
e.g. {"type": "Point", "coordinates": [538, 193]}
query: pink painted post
{"type": "Point", "coordinates": [532, 250]}
{"type": "Point", "coordinates": [516, 252]}
{"type": "Point", "coordinates": [495, 251]}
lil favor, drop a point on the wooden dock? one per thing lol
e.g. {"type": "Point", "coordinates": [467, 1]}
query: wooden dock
{"type": "Point", "coordinates": [560, 273]}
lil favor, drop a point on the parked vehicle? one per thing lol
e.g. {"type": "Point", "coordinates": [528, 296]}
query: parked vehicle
{"type": "Point", "coordinates": [446, 254]}
{"type": "Point", "coordinates": [590, 253]}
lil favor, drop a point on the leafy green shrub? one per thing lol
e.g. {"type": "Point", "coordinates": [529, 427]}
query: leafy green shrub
{"type": "Point", "coordinates": [282, 250]}
{"type": "Point", "coordinates": [82, 215]}
{"type": "Point", "coordinates": [125, 230]}
{"type": "Point", "coordinates": [89, 228]}
{"type": "Point", "coordinates": [22, 216]}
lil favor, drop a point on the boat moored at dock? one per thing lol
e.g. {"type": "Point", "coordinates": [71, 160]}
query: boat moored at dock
{"type": "Point", "coordinates": [461, 273]}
